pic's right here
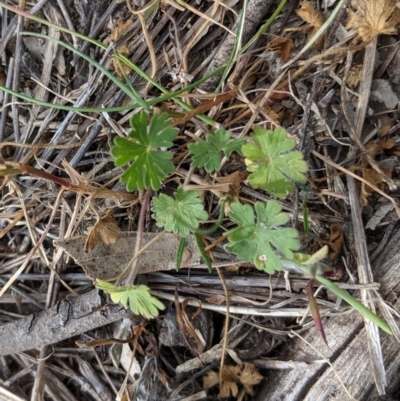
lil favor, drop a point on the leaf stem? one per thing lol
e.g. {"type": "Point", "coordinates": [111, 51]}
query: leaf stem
{"type": "Point", "coordinates": [216, 225]}
{"type": "Point", "coordinates": [143, 210]}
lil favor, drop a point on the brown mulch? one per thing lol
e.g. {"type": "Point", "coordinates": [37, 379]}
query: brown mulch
{"type": "Point", "coordinates": [61, 339]}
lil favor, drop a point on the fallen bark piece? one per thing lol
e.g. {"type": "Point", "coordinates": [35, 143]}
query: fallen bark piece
{"type": "Point", "coordinates": [107, 261]}
{"type": "Point", "coordinates": [70, 317]}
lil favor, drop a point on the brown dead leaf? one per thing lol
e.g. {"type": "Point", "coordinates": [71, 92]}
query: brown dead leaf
{"type": "Point", "coordinates": [374, 178]}
{"type": "Point", "coordinates": [249, 377]}
{"type": "Point", "coordinates": [118, 65]}
{"type": "Point", "coordinates": [229, 184]}
{"type": "Point", "coordinates": [314, 20]}
{"type": "Point", "coordinates": [105, 230]}
{"type": "Point", "coordinates": [387, 143]}
{"type": "Point", "coordinates": [232, 376]}
{"type": "Point", "coordinates": [335, 242]}
{"type": "Point", "coordinates": [216, 299]}
{"type": "Point", "coordinates": [373, 149]}
{"type": "Point", "coordinates": [120, 28]}
{"type": "Point", "coordinates": [384, 130]}
{"type": "Point", "coordinates": [280, 45]}
{"type": "Point", "coordinates": [374, 17]}
{"type": "Point", "coordinates": [241, 268]}
{"type": "Point", "coordinates": [354, 75]}
{"type": "Point", "coordinates": [233, 181]}
{"type": "Point", "coordinates": [371, 175]}
{"type": "Point", "coordinates": [108, 261]}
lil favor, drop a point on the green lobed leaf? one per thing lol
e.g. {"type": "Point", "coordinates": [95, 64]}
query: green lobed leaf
{"type": "Point", "coordinates": [257, 239]}
{"type": "Point", "coordinates": [271, 163]}
{"type": "Point", "coordinates": [149, 165]}
{"type": "Point", "coordinates": [209, 153]}
{"type": "Point", "coordinates": [181, 215]}
{"type": "Point", "coordinates": [136, 297]}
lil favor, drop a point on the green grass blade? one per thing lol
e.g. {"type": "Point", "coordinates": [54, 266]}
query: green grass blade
{"type": "Point", "coordinates": [179, 253]}
{"type": "Point", "coordinates": [61, 107]}
{"type": "Point", "coordinates": [317, 34]}
{"type": "Point", "coordinates": [355, 303]}
{"type": "Point", "coordinates": [203, 252]}
{"type": "Point", "coordinates": [236, 47]}
{"type": "Point", "coordinates": [167, 94]}
{"type": "Point", "coordinates": [265, 26]}
{"type": "Point", "coordinates": [131, 93]}
{"type": "Point", "coordinates": [152, 102]}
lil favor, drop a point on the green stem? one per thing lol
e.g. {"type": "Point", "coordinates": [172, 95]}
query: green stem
{"type": "Point", "coordinates": [216, 225]}
{"type": "Point", "coordinates": [355, 303]}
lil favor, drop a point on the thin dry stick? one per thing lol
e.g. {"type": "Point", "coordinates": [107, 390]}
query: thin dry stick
{"type": "Point", "coordinates": [52, 295]}
{"type": "Point", "coordinates": [136, 256]}
{"type": "Point", "coordinates": [327, 361]}
{"type": "Point", "coordinates": [205, 16]}
{"type": "Point", "coordinates": [197, 35]}
{"type": "Point", "coordinates": [363, 264]}
{"type": "Point", "coordinates": [226, 325]}
{"type": "Point", "coordinates": [348, 172]}
{"type": "Point", "coordinates": [42, 145]}
{"type": "Point", "coordinates": [36, 247]}
{"type": "Point", "coordinates": [151, 50]}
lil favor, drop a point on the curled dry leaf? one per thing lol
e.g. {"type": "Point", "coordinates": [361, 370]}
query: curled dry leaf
{"type": "Point", "coordinates": [374, 178]}
{"type": "Point", "coordinates": [314, 20]}
{"type": "Point", "coordinates": [280, 45]}
{"type": "Point", "coordinates": [233, 376]}
{"type": "Point", "coordinates": [335, 241]}
{"type": "Point", "coordinates": [354, 75]}
{"type": "Point", "coordinates": [374, 17]}
{"type": "Point", "coordinates": [387, 143]}
{"type": "Point", "coordinates": [105, 230]}
{"type": "Point", "coordinates": [119, 30]}
{"type": "Point", "coordinates": [384, 130]}
{"type": "Point", "coordinates": [216, 299]}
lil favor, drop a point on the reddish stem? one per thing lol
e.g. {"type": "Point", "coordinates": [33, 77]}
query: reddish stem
{"type": "Point", "coordinates": [43, 174]}
{"type": "Point", "coordinates": [315, 310]}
